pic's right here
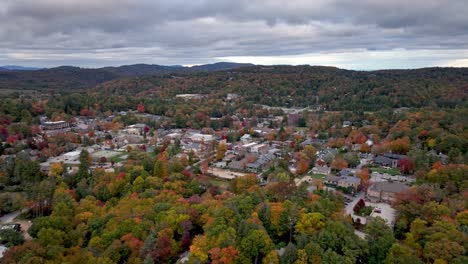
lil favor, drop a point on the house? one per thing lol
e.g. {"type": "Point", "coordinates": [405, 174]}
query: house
{"type": "Point", "coordinates": [246, 139]}
{"type": "Point", "coordinates": [54, 125]}
{"type": "Point", "coordinates": [259, 148]}
{"type": "Point", "coordinates": [139, 127]}
{"type": "Point", "coordinates": [198, 137]}
{"type": "Point", "coordinates": [254, 167]}
{"type": "Point", "coordinates": [249, 147]}
{"type": "Point", "coordinates": [349, 181]}
{"type": "Point", "coordinates": [389, 159]}
{"type": "Point", "coordinates": [235, 165]}
{"type": "Point", "coordinates": [385, 191]}
{"type": "Point", "coordinates": [232, 96]}
{"type": "Point", "coordinates": [73, 155]}
{"type": "Point", "coordinates": [345, 172]}
{"type": "Point", "coordinates": [187, 97]}
{"type": "Point", "coordinates": [321, 170]}
{"type": "Point", "coordinates": [331, 180]}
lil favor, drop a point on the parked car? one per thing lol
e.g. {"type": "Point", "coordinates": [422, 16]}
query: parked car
{"type": "Point", "coordinates": [16, 227]}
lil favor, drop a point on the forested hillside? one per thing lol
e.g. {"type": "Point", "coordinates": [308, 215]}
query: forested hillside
{"type": "Point", "coordinates": [302, 86]}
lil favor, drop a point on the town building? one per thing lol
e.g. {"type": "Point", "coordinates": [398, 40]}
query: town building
{"type": "Point", "coordinates": [385, 191]}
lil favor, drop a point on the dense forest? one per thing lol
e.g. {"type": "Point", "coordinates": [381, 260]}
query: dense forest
{"type": "Point", "coordinates": [287, 86]}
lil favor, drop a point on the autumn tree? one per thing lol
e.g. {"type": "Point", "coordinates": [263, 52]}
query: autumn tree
{"type": "Point", "coordinates": [363, 174]}
{"type": "Point", "coordinates": [255, 244]}
{"type": "Point", "coordinates": [141, 108]}
{"type": "Point", "coordinates": [338, 163]}
{"type": "Point", "coordinates": [406, 166]}
{"type": "Point", "coordinates": [380, 239]}
{"type": "Point", "coordinates": [309, 223]}
{"type": "Point", "coordinates": [309, 153]}
{"type": "Point", "coordinates": [302, 166]}
{"type": "Point", "coordinates": [83, 168]}
{"type": "Point", "coordinates": [221, 150]}
{"type": "Point", "coordinates": [160, 168]}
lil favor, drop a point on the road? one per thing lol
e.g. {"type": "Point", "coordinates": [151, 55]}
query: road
{"type": "Point", "coordinates": [8, 218]}
{"type": "Point", "coordinates": [25, 225]}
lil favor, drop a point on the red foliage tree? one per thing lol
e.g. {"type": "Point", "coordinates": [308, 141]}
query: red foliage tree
{"type": "Point", "coordinates": [141, 108]}
{"type": "Point", "coordinates": [406, 166]}
{"type": "Point", "coordinates": [360, 204]}
{"type": "Point", "coordinates": [162, 250]}
{"type": "Point", "coordinates": [223, 256]}
{"type": "Point", "coordinates": [12, 139]}
{"type": "Point", "coordinates": [302, 166]}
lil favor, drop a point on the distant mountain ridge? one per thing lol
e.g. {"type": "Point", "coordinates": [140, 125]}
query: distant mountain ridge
{"type": "Point", "coordinates": [18, 68]}
{"type": "Point", "coordinates": [71, 77]}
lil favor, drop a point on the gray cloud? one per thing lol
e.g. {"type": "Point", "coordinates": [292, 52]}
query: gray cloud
{"type": "Point", "coordinates": [112, 32]}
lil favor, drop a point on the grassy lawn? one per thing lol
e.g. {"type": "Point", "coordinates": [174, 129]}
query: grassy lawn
{"type": "Point", "coordinates": [317, 176]}
{"type": "Point", "coordinates": [390, 171]}
{"type": "Point", "coordinates": [223, 184]}
{"type": "Point", "coordinates": [120, 157]}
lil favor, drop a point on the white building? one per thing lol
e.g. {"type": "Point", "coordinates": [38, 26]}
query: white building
{"type": "Point", "coordinates": [73, 155]}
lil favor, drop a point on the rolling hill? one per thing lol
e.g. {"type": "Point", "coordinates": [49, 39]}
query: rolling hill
{"type": "Point", "coordinates": [68, 77]}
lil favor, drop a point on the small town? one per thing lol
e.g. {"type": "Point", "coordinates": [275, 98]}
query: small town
{"type": "Point", "coordinates": [233, 132]}
{"type": "Point", "coordinates": [273, 149]}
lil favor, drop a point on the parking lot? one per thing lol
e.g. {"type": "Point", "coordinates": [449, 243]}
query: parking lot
{"type": "Point", "coordinates": [386, 212]}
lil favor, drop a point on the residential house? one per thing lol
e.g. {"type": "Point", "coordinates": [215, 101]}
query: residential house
{"type": "Point", "coordinates": [347, 123]}
{"type": "Point", "coordinates": [331, 180]}
{"type": "Point", "coordinates": [389, 159]}
{"type": "Point", "coordinates": [349, 181]}
{"type": "Point", "coordinates": [246, 139]}
{"type": "Point", "coordinates": [321, 170]}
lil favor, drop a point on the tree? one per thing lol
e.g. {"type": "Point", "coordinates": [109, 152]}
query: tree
{"type": "Point", "coordinates": [83, 168]}
{"type": "Point", "coordinates": [401, 254]}
{"type": "Point", "coordinates": [338, 163]}
{"type": "Point", "coordinates": [352, 159]}
{"type": "Point", "coordinates": [160, 169]}
{"type": "Point", "coordinates": [26, 170]}
{"type": "Point", "coordinates": [224, 255]}
{"type": "Point", "coordinates": [380, 239]}
{"type": "Point", "coordinates": [255, 244]}
{"type": "Point", "coordinates": [221, 150]}
{"type": "Point", "coordinates": [56, 169]}
{"type": "Point", "coordinates": [11, 237]}
{"type": "Point", "coordinates": [363, 174]}
{"type": "Point", "coordinates": [359, 205]}
{"type": "Point", "coordinates": [406, 166]}
{"type": "Point", "coordinates": [302, 166]}
{"type": "Point", "coordinates": [309, 153]}
{"type": "Point", "coordinates": [400, 146]}
{"type": "Point", "coordinates": [289, 254]}
{"type": "Point", "coordinates": [301, 257]}
{"type": "Point", "coordinates": [271, 258]}
{"type": "Point", "coordinates": [141, 108]}
{"type": "Point", "coordinates": [309, 223]}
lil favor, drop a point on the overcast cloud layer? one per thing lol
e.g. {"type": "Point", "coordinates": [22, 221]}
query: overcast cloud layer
{"type": "Point", "coordinates": [364, 34]}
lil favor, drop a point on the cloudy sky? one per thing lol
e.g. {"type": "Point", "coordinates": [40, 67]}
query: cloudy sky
{"type": "Point", "coordinates": [352, 34]}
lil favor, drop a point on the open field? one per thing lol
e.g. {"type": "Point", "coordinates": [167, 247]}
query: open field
{"type": "Point", "coordinates": [225, 174]}
{"type": "Point", "coordinates": [105, 153]}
